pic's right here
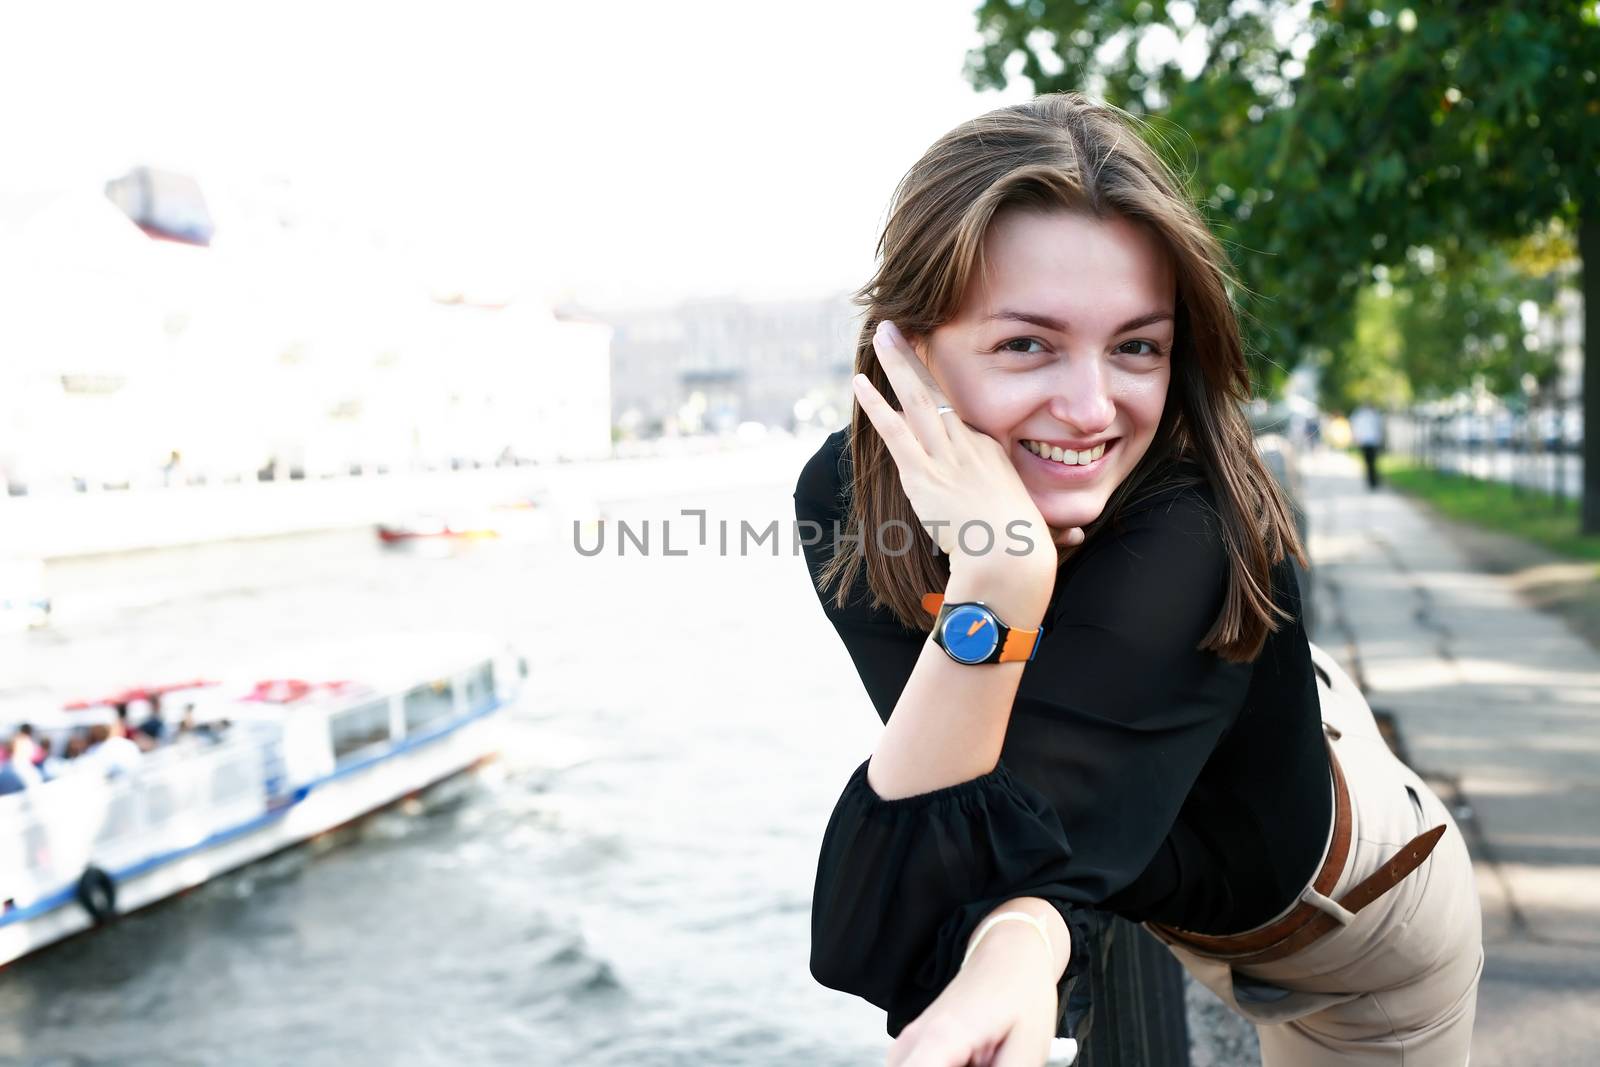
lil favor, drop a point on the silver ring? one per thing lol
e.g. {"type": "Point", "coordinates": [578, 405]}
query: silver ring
{"type": "Point", "coordinates": [943, 409]}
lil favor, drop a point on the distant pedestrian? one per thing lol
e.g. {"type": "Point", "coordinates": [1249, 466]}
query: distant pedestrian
{"type": "Point", "coordinates": [1366, 426]}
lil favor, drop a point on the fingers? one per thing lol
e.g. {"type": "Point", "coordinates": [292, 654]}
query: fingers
{"type": "Point", "coordinates": [934, 1046]}
{"type": "Point", "coordinates": [904, 448]}
{"type": "Point", "coordinates": [935, 1054]}
{"type": "Point", "coordinates": [919, 394]}
{"type": "Point", "coordinates": [1071, 537]}
{"type": "Point", "coordinates": [930, 1051]}
{"type": "Point", "coordinates": [1018, 1050]}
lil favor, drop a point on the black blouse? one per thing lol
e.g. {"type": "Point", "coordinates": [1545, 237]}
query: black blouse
{"type": "Point", "coordinates": [1138, 774]}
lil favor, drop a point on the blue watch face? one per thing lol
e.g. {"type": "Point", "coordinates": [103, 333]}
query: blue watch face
{"type": "Point", "coordinates": [970, 633]}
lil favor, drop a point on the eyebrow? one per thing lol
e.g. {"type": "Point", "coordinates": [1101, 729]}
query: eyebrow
{"type": "Point", "coordinates": [1048, 323]}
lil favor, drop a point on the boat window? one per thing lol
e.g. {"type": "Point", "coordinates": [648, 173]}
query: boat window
{"type": "Point", "coordinates": [359, 727]}
{"type": "Point", "coordinates": [429, 703]}
{"type": "Point", "coordinates": [480, 686]}
{"type": "Point", "coordinates": [160, 804]}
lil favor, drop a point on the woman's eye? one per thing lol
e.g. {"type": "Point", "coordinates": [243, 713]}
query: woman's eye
{"type": "Point", "coordinates": [1151, 348]}
{"type": "Point", "coordinates": [1023, 341]}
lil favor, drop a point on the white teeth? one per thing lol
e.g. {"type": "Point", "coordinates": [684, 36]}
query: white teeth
{"type": "Point", "coordinates": [1068, 456]}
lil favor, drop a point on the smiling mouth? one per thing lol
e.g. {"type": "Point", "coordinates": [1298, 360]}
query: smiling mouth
{"type": "Point", "coordinates": [1069, 457]}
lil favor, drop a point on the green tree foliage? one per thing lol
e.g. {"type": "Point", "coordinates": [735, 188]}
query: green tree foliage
{"type": "Point", "coordinates": [1426, 328]}
{"type": "Point", "coordinates": [1332, 138]}
{"type": "Point", "coordinates": [1365, 369]}
{"type": "Point", "coordinates": [1461, 322]}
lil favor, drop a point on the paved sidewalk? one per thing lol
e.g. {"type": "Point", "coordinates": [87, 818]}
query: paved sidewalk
{"type": "Point", "coordinates": [1498, 705]}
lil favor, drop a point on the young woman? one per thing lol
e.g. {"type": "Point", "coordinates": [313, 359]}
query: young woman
{"type": "Point", "coordinates": [1109, 701]}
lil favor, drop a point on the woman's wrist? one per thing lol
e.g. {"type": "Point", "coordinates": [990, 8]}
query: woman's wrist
{"type": "Point", "coordinates": [1010, 941]}
{"type": "Point", "coordinates": [1018, 592]}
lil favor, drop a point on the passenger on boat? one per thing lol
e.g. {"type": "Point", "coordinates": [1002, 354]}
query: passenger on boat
{"type": "Point", "coordinates": [56, 758]}
{"type": "Point", "coordinates": [76, 745]}
{"type": "Point", "coordinates": [116, 756]}
{"type": "Point", "coordinates": [214, 731]}
{"type": "Point", "coordinates": [189, 732]}
{"type": "Point", "coordinates": [16, 774]}
{"type": "Point", "coordinates": [153, 725]}
{"type": "Point", "coordinates": [24, 747]}
{"type": "Point", "coordinates": [185, 734]}
{"type": "Point", "coordinates": [127, 714]}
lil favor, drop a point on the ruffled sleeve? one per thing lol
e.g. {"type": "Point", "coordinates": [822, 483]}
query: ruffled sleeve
{"type": "Point", "coordinates": [902, 885]}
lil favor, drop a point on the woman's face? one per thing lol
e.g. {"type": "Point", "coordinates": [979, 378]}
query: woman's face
{"type": "Point", "coordinates": [1066, 345]}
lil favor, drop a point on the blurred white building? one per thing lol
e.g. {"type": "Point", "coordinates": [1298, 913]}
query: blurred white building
{"type": "Point", "coordinates": [141, 344]}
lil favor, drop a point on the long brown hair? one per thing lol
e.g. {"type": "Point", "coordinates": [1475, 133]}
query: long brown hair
{"type": "Point", "coordinates": [1065, 151]}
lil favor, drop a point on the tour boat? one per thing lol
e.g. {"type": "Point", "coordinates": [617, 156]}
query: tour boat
{"type": "Point", "coordinates": [436, 527]}
{"type": "Point", "coordinates": [256, 768]}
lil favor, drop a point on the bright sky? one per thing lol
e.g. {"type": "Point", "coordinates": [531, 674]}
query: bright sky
{"type": "Point", "coordinates": [621, 153]}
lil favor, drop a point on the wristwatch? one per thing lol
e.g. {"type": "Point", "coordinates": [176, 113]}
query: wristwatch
{"type": "Point", "coordinates": [971, 633]}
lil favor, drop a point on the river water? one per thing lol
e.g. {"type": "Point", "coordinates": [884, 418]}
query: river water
{"type": "Point", "coordinates": [628, 884]}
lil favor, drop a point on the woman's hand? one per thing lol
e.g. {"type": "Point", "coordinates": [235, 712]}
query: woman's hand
{"type": "Point", "coordinates": [954, 475]}
{"type": "Point", "coordinates": [999, 1010]}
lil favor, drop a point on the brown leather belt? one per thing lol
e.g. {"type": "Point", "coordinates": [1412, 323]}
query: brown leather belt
{"type": "Point", "coordinates": [1307, 922]}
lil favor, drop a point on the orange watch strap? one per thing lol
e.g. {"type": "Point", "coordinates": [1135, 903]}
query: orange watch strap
{"type": "Point", "coordinates": [1019, 643]}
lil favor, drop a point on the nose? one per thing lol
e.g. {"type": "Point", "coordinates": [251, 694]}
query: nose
{"type": "Point", "coordinates": [1081, 398]}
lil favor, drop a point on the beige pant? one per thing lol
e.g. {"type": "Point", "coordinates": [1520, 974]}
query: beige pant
{"type": "Point", "coordinates": [1398, 982]}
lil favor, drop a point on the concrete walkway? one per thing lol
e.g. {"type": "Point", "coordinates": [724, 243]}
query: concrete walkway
{"type": "Point", "coordinates": [1498, 705]}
